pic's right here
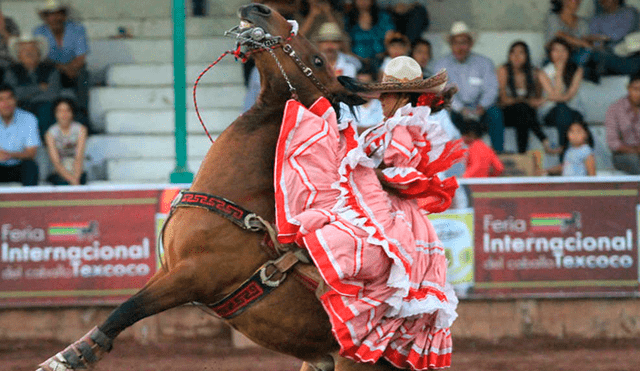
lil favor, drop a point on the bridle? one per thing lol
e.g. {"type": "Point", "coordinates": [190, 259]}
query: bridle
{"type": "Point", "coordinates": [258, 41]}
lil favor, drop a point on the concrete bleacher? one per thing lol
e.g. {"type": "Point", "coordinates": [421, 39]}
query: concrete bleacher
{"type": "Point", "coordinates": [132, 102]}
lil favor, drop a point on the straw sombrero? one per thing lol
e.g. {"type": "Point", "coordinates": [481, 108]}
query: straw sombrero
{"type": "Point", "coordinates": [51, 6]}
{"type": "Point", "coordinates": [401, 75]}
{"type": "Point", "coordinates": [460, 28]}
{"type": "Point", "coordinates": [629, 45]}
{"type": "Point", "coordinates": [330, 31]}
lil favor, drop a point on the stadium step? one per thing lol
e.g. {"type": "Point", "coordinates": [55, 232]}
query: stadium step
{"type": "Point", "coordinates": [158, 27]}
{"type": "Point", "coordinates": [105, 99]}
{"type": "Point", "coordinates": [145, 170]}
{"type": "Point", "coordinates": [162, 121]}
{"type": "Point", "coordinates": [108, 52]}
{"type": "Point", "coordinates": [149, 74]}
{"type": "Point", "coordinates": [109, 147]}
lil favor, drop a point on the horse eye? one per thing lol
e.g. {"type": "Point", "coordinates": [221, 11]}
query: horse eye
{"type": "Point", "coordinates": [318, 62]}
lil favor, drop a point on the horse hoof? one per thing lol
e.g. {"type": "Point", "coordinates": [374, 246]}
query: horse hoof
{"type": "Point", "coordinates": [55, 363]}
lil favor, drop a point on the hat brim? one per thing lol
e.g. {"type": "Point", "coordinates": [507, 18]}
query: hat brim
{"type": "Point", "coordinates": [621, 50]}
{"type": "Point", "coordinates": [61, 8]}
{"type": "Point", "coordinates": [472, 35]}
{"type": "Point", "coordinates": [433, 84]}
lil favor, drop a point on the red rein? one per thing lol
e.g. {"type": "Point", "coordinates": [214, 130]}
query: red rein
{"type": "Point", "coordinates": [239, 55]}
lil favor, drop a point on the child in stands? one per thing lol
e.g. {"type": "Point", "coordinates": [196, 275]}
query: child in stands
{"type": "Point", "coordinates": [481, 161]}
{"type": "Point", "coordinates": [578, 156]}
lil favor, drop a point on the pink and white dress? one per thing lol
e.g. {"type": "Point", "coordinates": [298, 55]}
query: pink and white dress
{"type": "Point", "coordinates": [378, 253]}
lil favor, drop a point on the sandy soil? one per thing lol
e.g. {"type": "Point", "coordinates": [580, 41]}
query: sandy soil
{"type": "Point", "coordinates": [512, 355]}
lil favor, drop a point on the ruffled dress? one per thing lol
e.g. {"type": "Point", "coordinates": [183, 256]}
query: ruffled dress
{"type": "Point", "coordinates": [379, 255]}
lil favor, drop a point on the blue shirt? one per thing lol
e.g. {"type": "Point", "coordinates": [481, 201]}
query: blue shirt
{"type": "Point", "coordinates": [476, 80]}
{"type": "Point", "coordinates": [615, 25]}
{"type": "Point", "coordinates": [574, 159]}
{"type": "Point", "coordinates": [20, 134]}
{"type": "Point", "coordinates": [74, 42]}
{"type": "Point", "coordinates": [367, 44]}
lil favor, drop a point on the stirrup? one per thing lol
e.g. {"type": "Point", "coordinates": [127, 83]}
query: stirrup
{"type": "Point", "coordinates": [81, 355]}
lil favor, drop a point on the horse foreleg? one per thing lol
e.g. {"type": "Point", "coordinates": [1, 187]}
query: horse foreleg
{"type": "Point", "coordinates": [164, 291]}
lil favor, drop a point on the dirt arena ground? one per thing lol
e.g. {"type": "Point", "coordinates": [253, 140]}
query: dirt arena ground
{"type": "Point", "coordinates": [535, 354]}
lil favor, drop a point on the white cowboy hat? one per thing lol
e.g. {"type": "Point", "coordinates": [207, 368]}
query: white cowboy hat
{"type": "Point", "coordinates": [460, 28]}
{"type": "Point", "coordinates": [41, 42]}
{"type": "Point", "coordinates": [629, 45]}
{"type": "Point", "coordinates": [330, 31]}
{"type": "Point", "coordinates": [51, 6]}
{"type": "Point", "coordinates": [401, 75]}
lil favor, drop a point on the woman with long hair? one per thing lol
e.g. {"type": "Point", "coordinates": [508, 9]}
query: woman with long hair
{"type": "Point", "coordinates": [521, 95]}
{"type": "Point", "coordinates": [560, 80]}
{"type": "Point", "coordinates": [367, 24]}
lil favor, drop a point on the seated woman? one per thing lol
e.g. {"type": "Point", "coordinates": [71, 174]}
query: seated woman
{"type": "Point", "coordinates": [384, 268]}
{"type": "Point", "coordinates": [560, 80]}
{"type": "Point", "coordinates": [66, 141]}
{"type": "Point", "coordinates": [520, 96]}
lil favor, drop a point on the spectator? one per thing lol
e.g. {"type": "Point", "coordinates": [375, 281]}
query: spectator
{"type": "Point", "coordinates": [8, 30]}
{"type": "Point", "coordinates": [560, 80]}
{"type": "Point", "coordinates": [396, 45]}
{"type": "Point", "coordinates": [578, 158]}
{"type": "Point", "coordinates": [421, 52]}
{"type": "Point", "coordinates": [66, 142]}
{"type": "Point", "coordinates": [476, 78]}
{"type": "Point", "coordinates": [564, 23]}
{"type": "Point", "coordinates": [520, 95]}
{"type": "Point", "coordinates": [367, 24]}
{"type": "Point", "coordinates": [611, 27]}
{"type": "Point", "coordinates": [19, 141]}
{"type": "Point", "coordinates": [319, 12]}
{"type": "Point", "coordinates": [481, 160]}
{"type": "Point", "coordinates": [68, 49]}
{"type": "Point", "coordinates": [330, 42]}
{"type": "Point", "coordinates": [410, 19]}
{"type": "Point", "coordinates": [35, 80]}
{"type": "Point", "coordinates": [622, 123]}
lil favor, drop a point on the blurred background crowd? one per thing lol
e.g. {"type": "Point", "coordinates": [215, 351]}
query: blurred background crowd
{"type": "Point", "coordinates": [44, 90]}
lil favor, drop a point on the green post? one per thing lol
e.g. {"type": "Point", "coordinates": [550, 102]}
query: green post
{"type": "Point", "coordinates": [181, 173]}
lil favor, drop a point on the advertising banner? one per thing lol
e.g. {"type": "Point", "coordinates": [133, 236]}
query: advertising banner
{"type": "Point", "coordinates": [77, 248]}
{"type": "Point", "coordinates": [455, 230]}
{"type": "Point", "coordinates": [556, 239]}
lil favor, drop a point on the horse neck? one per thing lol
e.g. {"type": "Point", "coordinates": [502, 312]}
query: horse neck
{"type": "Point", "coordinates": [239, 165]}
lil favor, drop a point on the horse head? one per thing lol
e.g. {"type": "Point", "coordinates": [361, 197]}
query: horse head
{"type": "Point", "coordinates": [289, 65]}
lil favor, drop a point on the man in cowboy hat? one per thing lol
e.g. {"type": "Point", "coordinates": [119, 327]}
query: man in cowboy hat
{"type": "Point", "coordinates": [36, 80]}
{"type": "Point", "coordinates": [475, 76]}
{"type": "Point", "coordinates": [330, 41]}
{"type": "Point", "coordinates": [68, 49]}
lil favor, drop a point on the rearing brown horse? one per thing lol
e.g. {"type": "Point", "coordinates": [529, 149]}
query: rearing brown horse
{"type": "Point", "coordinates": [206, 256]}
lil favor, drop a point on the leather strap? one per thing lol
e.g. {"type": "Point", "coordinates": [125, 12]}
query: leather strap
{"type": "Point", "coordinates": [264, 280]}
{"type": "Point", "coordinates": [221, 206]}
